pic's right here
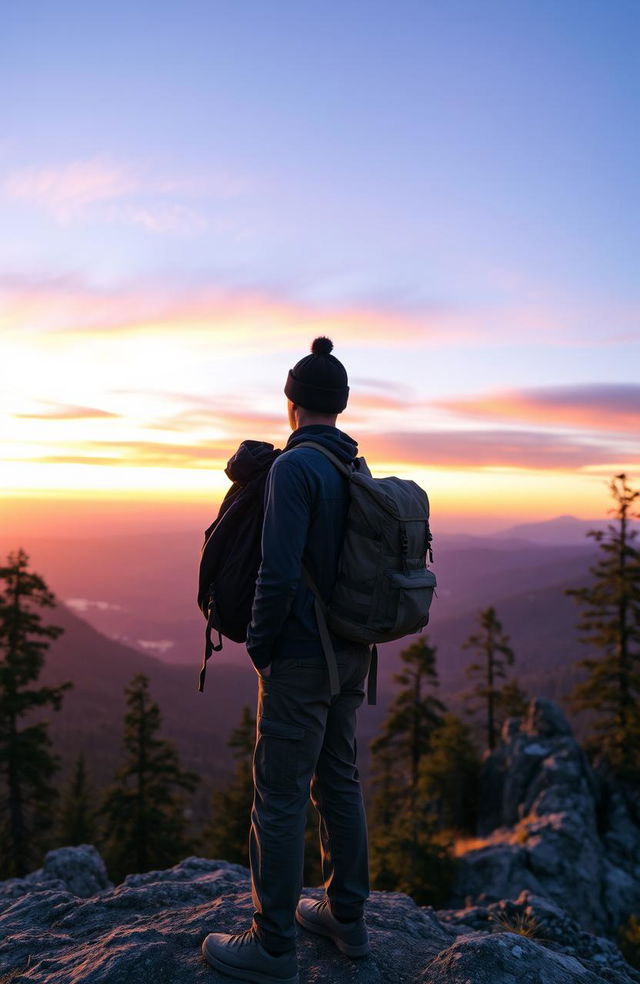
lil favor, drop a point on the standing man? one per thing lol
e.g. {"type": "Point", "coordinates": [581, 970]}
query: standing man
{"type": "Point", "coordinates": [305, 737]}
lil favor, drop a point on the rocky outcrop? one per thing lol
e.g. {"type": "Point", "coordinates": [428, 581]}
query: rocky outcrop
{"type": "Point", "coordinates": [149, 929]}
{"type": "Point", "coordinates": [553, 827]}
{"type": "Point", "coordinates": [77, 870]}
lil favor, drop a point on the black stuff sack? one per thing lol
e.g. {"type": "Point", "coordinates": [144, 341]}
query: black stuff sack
{"type": "Point", "coordinates": [232, 551]}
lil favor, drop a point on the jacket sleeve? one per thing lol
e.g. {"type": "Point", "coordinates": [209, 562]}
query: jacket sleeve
{"type": "Point", "coordinates": [284, 535]}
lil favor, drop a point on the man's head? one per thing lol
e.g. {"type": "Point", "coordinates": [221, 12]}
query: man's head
{"type": "Point", "coordinates": [317, 387]}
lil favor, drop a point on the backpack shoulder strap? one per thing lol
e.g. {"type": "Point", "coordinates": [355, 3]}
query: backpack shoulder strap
{"type": "Point", "coordinates": [340, 465]}
{"type": "Point", "coordinates": [320, 607]}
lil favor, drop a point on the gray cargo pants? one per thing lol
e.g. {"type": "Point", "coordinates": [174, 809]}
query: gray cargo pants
{"type": "Point", "coordinates": [306, 741]}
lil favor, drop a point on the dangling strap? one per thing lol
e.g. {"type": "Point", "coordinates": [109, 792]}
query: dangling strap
{"type": "Point", "coordinates": [325, 638]}
{"type": "Point", "coordinates": [209, 647]}
{"type": "Point", "coordinates": [329, 651]}
{"type": "Point", "coordinates": [372, 683]}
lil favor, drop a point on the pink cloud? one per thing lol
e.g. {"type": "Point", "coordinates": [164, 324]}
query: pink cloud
{"type": "Point", "coordinates": [67, 412]}
{"type": "Point", "coordinates": [233, 421]}
{"type": "Point", "coordinates": [610, 407]}
{"type": "Point", "coordinates": [493, 448]}
{"type": "Point", "coordinates": [163, 218]}
{"type": "Point", "coordinates": [67, 305]}
{"type": "Point", "coordinates": [139, 453]}
{"type": "Point", "coordinates": [67, 190]}
{"type": "Point", "coordinates": [135, 194]}
{"type": "Point", "coordinates": [451, 449]}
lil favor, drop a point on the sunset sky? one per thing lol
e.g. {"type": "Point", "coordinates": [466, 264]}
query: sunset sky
{"type": "Point", "coordinates": [191, 192]}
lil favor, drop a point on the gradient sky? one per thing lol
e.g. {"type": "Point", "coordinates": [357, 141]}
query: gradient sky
{"type": "Point", "coordinates": [190, 192]}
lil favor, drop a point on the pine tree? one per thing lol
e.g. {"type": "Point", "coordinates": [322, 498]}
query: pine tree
{"type": "Point", "coordinates": [406, 852]}
{"type": "Point", "coordinates": [227, 836]}
{"type": "Point", "coordinates": [414, 857]}
{"type": "Point", "coordinates": [388, 806]}
{"type": "Point", "coordinates": [27, 763]}
{"type": "Point", "coordinates": [491, 644]}
{"type": "Point", "coordinates": [611, 623]}
{"type": "Point", "coordinates": [144, 811]}
{"type": "Point", "coordinates": [76, 824]}
{"type": "Point", "coordinates": [449, 777]}
{"type": "Point", "coordinates": [414, 713]}
{"type": "Point", "coordinates": [513, 700]}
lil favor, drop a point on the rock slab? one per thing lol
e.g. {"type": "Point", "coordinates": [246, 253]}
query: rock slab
{"type": "Point", "coordinates": [149, 929]}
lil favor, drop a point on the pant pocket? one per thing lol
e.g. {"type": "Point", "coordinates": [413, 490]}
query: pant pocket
{"type": "Point", "coordinates": [277, 756]}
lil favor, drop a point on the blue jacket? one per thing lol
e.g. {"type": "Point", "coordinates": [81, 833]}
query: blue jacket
{"type": "Point", "coordinates": [306, 501]}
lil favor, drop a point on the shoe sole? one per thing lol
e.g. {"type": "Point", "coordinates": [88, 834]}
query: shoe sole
{"type": "Point", "coordinates": [241, 973]}
{"type": "Point", "coordinates": [349, 949]}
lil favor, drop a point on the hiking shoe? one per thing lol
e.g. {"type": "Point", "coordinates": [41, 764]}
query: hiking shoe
{"type": "Point", "coordinates": [243, 956]}
{"type": "Point", "coordinates": [350, 937]}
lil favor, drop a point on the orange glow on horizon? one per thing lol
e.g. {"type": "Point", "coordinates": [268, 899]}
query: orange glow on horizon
{"type": "Point", "coordinates": [140, 396]}
{"type": "Point", "coordinates": [461, 500]}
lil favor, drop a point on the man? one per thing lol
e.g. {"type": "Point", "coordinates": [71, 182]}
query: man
{"type": "Point", "coordinates": [305, 737]}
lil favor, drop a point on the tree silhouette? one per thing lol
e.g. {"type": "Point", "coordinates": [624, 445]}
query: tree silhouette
{"type": "Point", "coordinates": [512, 700]}
{"type": "Point", "coordinates": [406, 852]}
{"type": "Point", "coordinates": [491, 644]}
{"type": "Point", "coordinates": [76, 824]}
{"type": "Point", "coordinates": [414, 713]}
{"type": "Point", "coordinates": [27, 764]}
{"type": "Point", "coordinates": [610, 622]}
{"type": "Point", "coordinates": [227, 836]}
{"type": "Point", "coordinates": [449, 778]}
{"type": "Point", "coordinates": [143, 810]}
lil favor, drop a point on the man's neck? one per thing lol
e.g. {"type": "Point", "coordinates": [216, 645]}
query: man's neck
{"type": "Point", "coordinates": [308, 420]}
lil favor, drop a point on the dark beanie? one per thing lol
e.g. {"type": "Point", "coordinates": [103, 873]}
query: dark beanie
{"type": "Point", "coordinates": [319, 382]}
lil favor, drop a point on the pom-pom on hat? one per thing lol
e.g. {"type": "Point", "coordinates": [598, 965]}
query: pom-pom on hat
{"type": "Point", "coordinates": [319, 381]}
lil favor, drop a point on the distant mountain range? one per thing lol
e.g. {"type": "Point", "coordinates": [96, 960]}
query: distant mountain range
{"type": "Point", "coordinates": [140, 590]}
{"type": "Point", "coordinates": [138, 594]}
{"type": "Point", "coordinates": [561, 530]}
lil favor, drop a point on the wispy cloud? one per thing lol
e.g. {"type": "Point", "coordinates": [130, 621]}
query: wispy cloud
{"type": "Point", "coordinates": [67, 190]}
{"type": "Point", "coordinates": [492, 449]}
{"type": "Point", "coordinates": [392, 388]}
{"type": "Point", "coordinates": [603, 407]}
{"type": "Point", "coordinates": [237, 420]}
{"type": "Point", "coordinates": [224, 416]}
{"type": "Point", "coordinates": [66, 305]}
{"type": "Point", "coordinates": [128, 194]}
{"type": "Point", "coordinates": [137, 454]}
{"type": "Point", "coordinates": [451, 449]}
{"type": "Point", "coordinates": [67, 412]}
{"type": "Point", "coordinates": [163, 218]}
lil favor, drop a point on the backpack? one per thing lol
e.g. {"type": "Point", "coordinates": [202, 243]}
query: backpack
{"type": "Point", "coordinates": [232, 550]}
{"type": "Point", "coordinates": [384, 588]}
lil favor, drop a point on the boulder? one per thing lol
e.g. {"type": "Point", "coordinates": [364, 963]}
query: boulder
{"type": "Point", "coordinates": [78, 870]}
{"type": "Point", "coordinates": [151, 926]}
{"type": "Point", "coordinates": [551, 826]}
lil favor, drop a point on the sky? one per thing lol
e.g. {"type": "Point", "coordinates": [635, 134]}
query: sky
{"type": "Point", "coordinates": [191, 192]}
